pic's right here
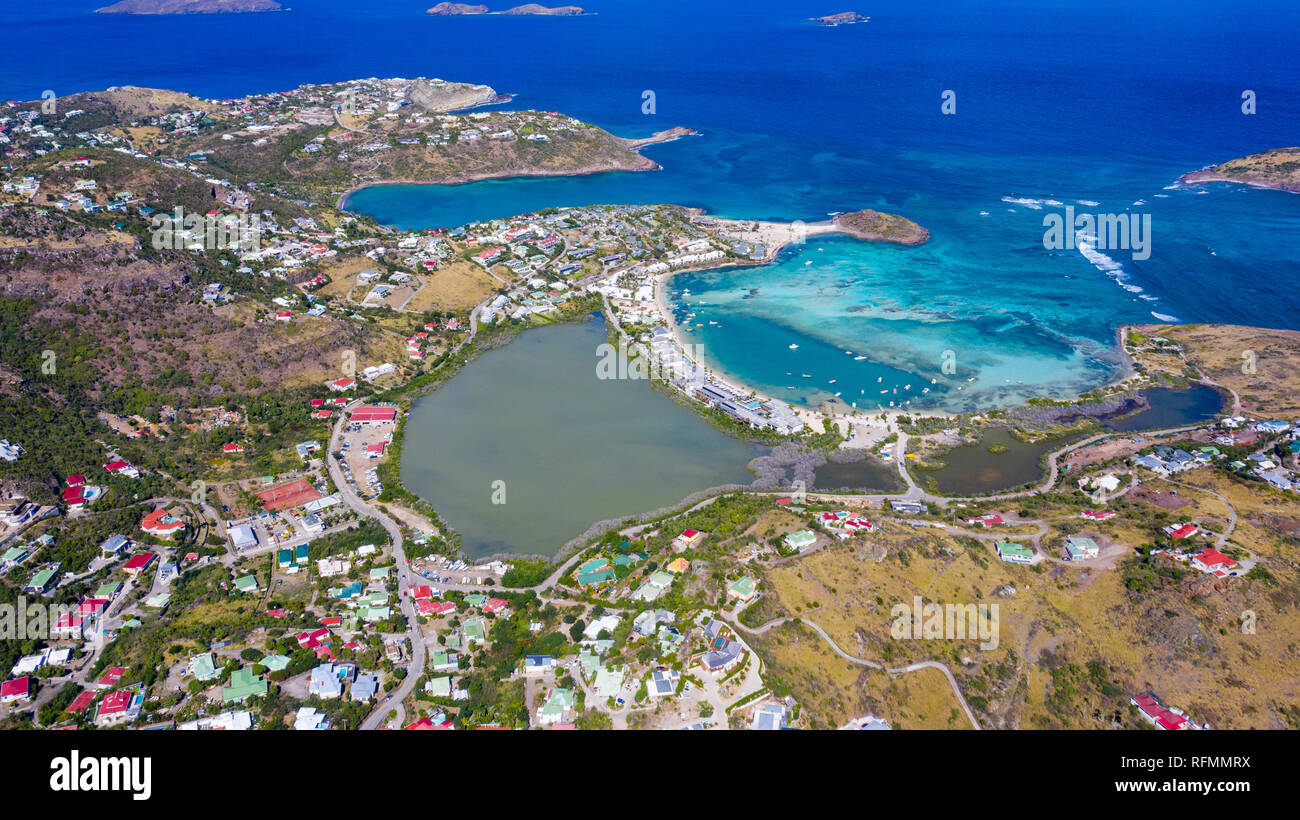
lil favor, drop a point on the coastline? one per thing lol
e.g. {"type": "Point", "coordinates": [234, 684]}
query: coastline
{"type": "Point", "coordinates": [642, 163]}
{"type": "Point", "coordinates": [776, 236]}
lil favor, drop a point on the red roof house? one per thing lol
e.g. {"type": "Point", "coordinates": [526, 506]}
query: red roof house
{"type": "Point", "coordinates": [15, 690]}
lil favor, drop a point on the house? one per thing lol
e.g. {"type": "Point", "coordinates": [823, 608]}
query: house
{"type": "Point", "coordinates": [114, 544]}
{"type": "Point", "coordinates": [161, 523]}
{"type": "Point", "coordinates": [202, 667]}
{"type": "Point", "coordinates": [246, 584]}
{"type": "Point", "coordinates": [232, 448]}
{"type": "Point", "coordinates": [743, 589]}
{"type": "Point", "coordinates": [538, 664]}
{"type": "Point", "coordinates": [475, 631]}
{"type": "Point", "coordinates": [339, 385]}
{"type": "Point", "coordinates": [593, 572]}
{"type": "Point", "coordinates": [112, 677]}
{"type": "Point", "coordinates": [646, 623]}
{"type": "Point", "coordinates": [242, 536]}
{"type": "Point", "coordinates": [1080, 548]}
{"type": "Point", "coordinates": [1096, 515]}
{"type": "Point", "coordinates": [243, 685]}
{"type": "Point", "coordinates": [1015, 553]}
{"type": "Point", "coordinates": [1160, 716]}
{"type": "Point", "coordinates": [1212, 561]}
{"type": "Point", "coordinates": [768, 717]}
{"type": "Point", "coordinates": [444, 661]}
{"type": "Point", "coordinates": [139, 563]}
{"type": "Point", "coordinates": [663, 682]}
{"type": "Point", "coordinates": [688, 539]}
{"type": "Point", "coordinates": [325, 681]}
{"type": "Point", "coordinates": [365, 687]}
{"type": "Point", "coordinates": [118, 707]}
{"type": "Point", "coordinates": [1178, 532]}
{"type": "Point", "coordinates": [678, 565]}
{"type": "Point", "coordinates": [654, 586]}
{"type": "Point", "coordinates": [723, 658]}
{"type": "Point", "coordinates": [41, 581]}
{"type": "Point", "coordinates": [559, 702]}
{"type": "Point", "coordinates": [14, 691]}
{"type": "Point", "coordinates": [308, 719]}
{"type": "Point", "coordinates": [986, 520]}
{"type": "Point", "coordinates": [497, 606]}
{"type": "Point", "coordinates": [605, 623]}
{"type": "Point", "coordinates": [800, 540]}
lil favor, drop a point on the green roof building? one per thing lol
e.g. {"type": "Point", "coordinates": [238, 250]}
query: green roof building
{"type": "Point", "coordinates": [474, 630]}
{"type": "Point", "coordinates": [42, 581]}
{"type": "Point", "coordinates": [801, 540]}
{"type": "Point", "coordinates": [275, 662]}
{"type": "Point", "coordinates": [243, 685]}
{"type": "Point", "coordinates": [439, 687]}
{"type": "Point", "coordinates": [560, 702]}
{"type": "Point", "coordinates": [743, 588]}
{"type": "Point", "coordinates": [1080, 548]}
{"type": "Point", "coordinates": [108, 589]}
{"type": "Point", "coordinates": [247, 583]}
{"type": "Point", "coordinates": [202, 667]}
{"type": "Point", "coordinates": [1015, 553]}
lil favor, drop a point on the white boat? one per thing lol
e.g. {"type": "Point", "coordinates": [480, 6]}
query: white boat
{"type": "Point", "coordinates": [837, 395]}
{"type": "Point", "coordinates": [858, 358]}
{"type": "Point", "coordinates": [794, 347]}
{"type": "Point", "coordinates": [832, 381]}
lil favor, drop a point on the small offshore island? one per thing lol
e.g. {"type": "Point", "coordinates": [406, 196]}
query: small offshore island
{"type": "Point", "coordinates": [844, 18]}
{"type": "Point", "coordinates": [189, 6]}
{"type": "Point", "coordinates": [528, 9]}
{"type": "Point", "coordinates": [1278, 169]}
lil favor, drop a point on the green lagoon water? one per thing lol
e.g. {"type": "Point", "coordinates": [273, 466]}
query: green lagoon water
{"type": "Point", "coordinates": [570, 449]}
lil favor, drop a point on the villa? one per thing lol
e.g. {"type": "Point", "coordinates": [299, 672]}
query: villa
{"type": "Point", "coordinates": [801, 540]}
{"type": "Point", "coordinates": [1015, 553]}
{"type": "Point", "coordinates": [1080, 548]}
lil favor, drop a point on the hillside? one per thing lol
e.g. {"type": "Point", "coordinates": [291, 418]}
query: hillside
{"type": "Point", "coordinates": [1278, 169]}
{"type": "Point", "coordinates": [875, 226]}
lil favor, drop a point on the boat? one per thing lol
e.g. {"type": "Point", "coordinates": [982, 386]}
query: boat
{"type": "Point", "coordinates": [879, 379]}
{"type": "Point", "coordinates": [837, 395]}
{"type": "Point", "coordinates": [806, 375]}
{"type": "Point", "coordinates": [832, 381]}
{"type": "Point", "coordinates": [794, 347]}
{"type": "Point", "coordinates": [858, 358]}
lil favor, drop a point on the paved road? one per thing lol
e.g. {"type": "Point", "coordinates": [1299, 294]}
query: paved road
{"type": "Point", "coordinates": [947, 673]}
{"type": "Point", "coordinates": [404, 578]}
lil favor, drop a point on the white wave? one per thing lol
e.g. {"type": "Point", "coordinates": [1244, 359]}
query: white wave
{"type": "Point", "coordinates": [1090, 203]}
{"type": "Point", "coordinates": [1084, 242]}
{"type": "Point", "coordinates": [1035, 204]}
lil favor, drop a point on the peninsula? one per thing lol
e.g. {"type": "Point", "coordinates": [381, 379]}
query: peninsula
{"type": "Point", "coordinates": [1278, 169]}
{"type": "Point", "coordinates": [188, 6]}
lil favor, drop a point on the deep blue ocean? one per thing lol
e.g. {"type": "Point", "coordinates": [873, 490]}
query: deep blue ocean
{"type": "Point", "coordinates": [1100, 105]}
